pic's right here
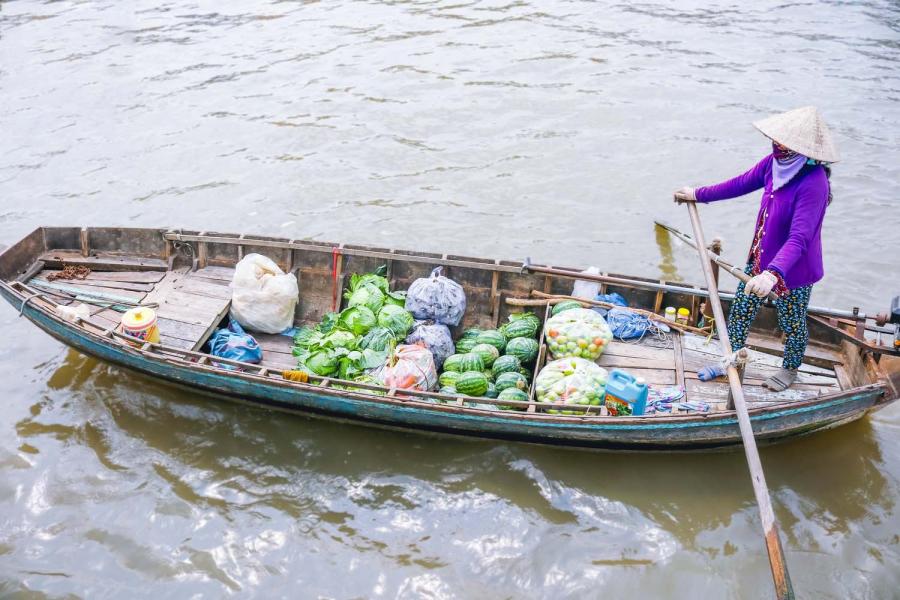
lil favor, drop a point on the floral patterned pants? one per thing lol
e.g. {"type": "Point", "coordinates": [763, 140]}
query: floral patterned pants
{"type": "Point", "coordinates": [791, 309]}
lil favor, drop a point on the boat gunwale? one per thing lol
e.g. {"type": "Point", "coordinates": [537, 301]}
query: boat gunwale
{"type": "Point", "coordinates": [633, 422]}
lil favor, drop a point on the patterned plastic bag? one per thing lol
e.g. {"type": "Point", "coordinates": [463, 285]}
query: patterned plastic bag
{"type": "Point", "coordinates": [411, 367]}
{"type": "Point", "coordinates": [435, 337]}
{"type": "Point", "coordinates": [436, 298]}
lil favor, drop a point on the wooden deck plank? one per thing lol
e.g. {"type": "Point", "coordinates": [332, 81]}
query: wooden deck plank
{"type": "Point", "coordinates": [120, 276]}
{"type": "Point", "coordinates": [143, 288]}
{"type": "Point", "coordinates": [220, 273]}
{"type": "Point", "coordinates": [717, 391]}
{"type": "Point", "coordinates": [203, 287]}
{"type": "Point", "coordinates": [192, 316]}
{"type": "Point", "coordinates": [817, 355]}
{"type": "Point", "coordinates": [638, 350]}
{"type": "Point", "coordinates": [698, 353]}
{"type": "Point", "coordinates": [274, 342]}
{"type": "Point", "coordinates": [610, 361]}
{"type": "Point", "coordinates": [278, 361]}
{"type": "Point", "coordinates": [73, 288]}
{"type": "Point", "coordinates": [101, 262]}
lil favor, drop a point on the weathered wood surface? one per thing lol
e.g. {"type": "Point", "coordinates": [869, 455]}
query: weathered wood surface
{"type": "Point", "coordinates": [101, 262]}
{"type": "Point", "coordinates": [186, 310]}
{"type": "Point", "coordinates": [145, 277]}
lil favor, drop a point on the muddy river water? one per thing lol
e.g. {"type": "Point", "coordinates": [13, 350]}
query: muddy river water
{"type": "Point", "coordinates": [555, 129]}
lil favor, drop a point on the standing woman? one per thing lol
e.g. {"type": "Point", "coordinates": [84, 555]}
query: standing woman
{"type": "Point", "coordinates": [786, 254]}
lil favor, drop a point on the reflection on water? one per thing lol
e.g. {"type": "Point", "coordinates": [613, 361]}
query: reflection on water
{"type": "Point", "coordinates": [210, 496]}
{"type": "Point", "coordinates": [555, 130]}
{"type": "Point", "coordinates": [667, 267]}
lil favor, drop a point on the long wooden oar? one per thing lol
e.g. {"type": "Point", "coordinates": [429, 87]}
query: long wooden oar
{"type": "Point", "coordinates": [733, 270]}
{"type": "Point", "coordinates": [783, 588]}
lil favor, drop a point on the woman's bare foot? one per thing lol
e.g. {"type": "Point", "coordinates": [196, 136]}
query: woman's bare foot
{"type": "Point", "coordinates": [781, 380]}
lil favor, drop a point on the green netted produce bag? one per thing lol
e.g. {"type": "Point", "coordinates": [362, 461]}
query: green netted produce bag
{"type": "Point", "coordinates": [577, 332]}
{"type": "Point", "coordinates": [573, 380]}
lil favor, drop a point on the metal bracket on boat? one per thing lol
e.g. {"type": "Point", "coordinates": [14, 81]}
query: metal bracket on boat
{"type": "Point", "coordinates": [526, 266]}
{"type": "Point", "coordinates": [187, 249]}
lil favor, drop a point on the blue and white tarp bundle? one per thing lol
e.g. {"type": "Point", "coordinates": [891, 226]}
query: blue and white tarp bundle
{"type": "Point", "coordinates": [663, 399]}
{"type": "Point", "coordinates": [626, 324]}
{"type": "Point", "coordinates": [234, 343]}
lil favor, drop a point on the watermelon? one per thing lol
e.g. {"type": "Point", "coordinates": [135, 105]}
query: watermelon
{"type": "Point", "coordinates": [492, 337]}
{"type": "Point", "coordinates": [512, 394]}
{"type": "Point", "coordinates": [471, 362]}
{"type": "Point", "coordinates": [464, 345]}
{"type": "Point", "coordinates": [525, 349]}
{"type": "Point", "coordinates": [520, 328]}
{"type": "Point", "coordinates": [449, 390]}
{"type": "Point", "coordinates": [505, 364]}
{"type": "Point", "coordinates": [448, 378]}
{"type": "Point", "coordinates": [567, 305]}
{"type": "Point", "coordinates": [464, 362]}
{"type": "Point", "coordinates": [489, 374]}
{"type": "Point", "coordinates": [487, 353]}
{"type": "Point", "coordinates": [472, 383]}
{"type": "Point", "coordinates": [528, 316]}
{"type": "Point", "coordinates": [454, 363]}
{"type": "Point", "coordinates": [470, 333]}
{"type": "Point", "coordinates": [491, 391]}
{"type": "Point", "coordinates": [511, 380]}
{"type": "Point", "coordinates": [526, 373]}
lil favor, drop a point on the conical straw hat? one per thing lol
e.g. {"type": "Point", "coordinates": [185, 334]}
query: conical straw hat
{"type": "Point", "coordinates": [802, 130]}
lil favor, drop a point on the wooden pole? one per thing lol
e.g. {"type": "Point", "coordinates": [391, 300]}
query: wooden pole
{"type": "Point", "coordinates": [720, 262]}
{"type": "Point", "coordinates": [716, 248]}
{"type": "Point", "coordinates": [780, 576]}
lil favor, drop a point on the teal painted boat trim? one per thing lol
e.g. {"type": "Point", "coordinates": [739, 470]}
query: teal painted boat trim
{"type": "Point", "coordinates": [652, 433]}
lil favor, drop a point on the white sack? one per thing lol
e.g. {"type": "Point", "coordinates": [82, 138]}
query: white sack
{"type": "Point", "coordinates": [263, 297]}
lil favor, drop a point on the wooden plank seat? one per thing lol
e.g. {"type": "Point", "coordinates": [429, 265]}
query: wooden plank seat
{"type": "Point", "coordinates": [190, 306]}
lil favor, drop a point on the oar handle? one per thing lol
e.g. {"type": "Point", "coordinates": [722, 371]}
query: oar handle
{"type": "Point", "coordinates": [783, 588]}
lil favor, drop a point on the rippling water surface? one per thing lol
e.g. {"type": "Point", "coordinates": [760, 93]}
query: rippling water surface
{"type": "Point", "coordinates": [553, 129]}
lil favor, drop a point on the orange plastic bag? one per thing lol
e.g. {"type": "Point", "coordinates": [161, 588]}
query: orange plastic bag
{"type": "Point", "coordinates": [410, 367]}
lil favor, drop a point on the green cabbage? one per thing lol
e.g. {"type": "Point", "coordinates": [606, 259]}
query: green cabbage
{"type": "Point", "coordinates": [367, 295]}
{"type": "Point", "coordinates": [357, 319]}
{"type": "Point", "coordinates": [378, 338]}
{"type": "Point", "coordinates": [374, 279]}
{"type": "Point", "coordinates": [340, 339]}
{"type": "Point", "coordinates": [398, 298]}
{"type": "Point", "coordinates": [322, 362]}
{"type": "Point", "coordinates": [398, 320]}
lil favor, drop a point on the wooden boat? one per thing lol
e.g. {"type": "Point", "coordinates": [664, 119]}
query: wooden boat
{"type": "Point", "coordinates": [845, 375]}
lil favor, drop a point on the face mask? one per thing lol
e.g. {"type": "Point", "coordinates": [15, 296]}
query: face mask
{"type": "Point", "coordinates": [782, 153]}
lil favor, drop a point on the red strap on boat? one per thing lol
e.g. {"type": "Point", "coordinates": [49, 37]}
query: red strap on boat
{"type": "Point", "coordinates": [335, 253]}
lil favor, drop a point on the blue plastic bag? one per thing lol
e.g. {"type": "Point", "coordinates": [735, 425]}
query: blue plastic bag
{"type": "Point", "coordinates": [613, 298]}
{"type": "Point", "coordinates": [626, 324]}
{"type": "Point", "coordinates": [234, 343]}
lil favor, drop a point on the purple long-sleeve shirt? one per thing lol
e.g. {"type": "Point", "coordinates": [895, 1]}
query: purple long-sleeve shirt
{"type": "Point", "coordinates": [791, 242]}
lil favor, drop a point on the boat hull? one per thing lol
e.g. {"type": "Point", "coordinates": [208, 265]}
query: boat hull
{"type": "Point", "coordinates": [681, 433]}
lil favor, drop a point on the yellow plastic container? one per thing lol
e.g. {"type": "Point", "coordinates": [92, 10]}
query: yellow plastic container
{"type": "Point", "coordinates": [684, 316]}
{"type": "Point", "coordinates": [140, 322]}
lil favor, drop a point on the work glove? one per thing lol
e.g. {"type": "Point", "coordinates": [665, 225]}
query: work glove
{"type": "Point", "coordinates": [685, 194]}
{"type": "Point", "coordinates": [710, 372]}
{"type": "Point", "coordinates": [761, 285]}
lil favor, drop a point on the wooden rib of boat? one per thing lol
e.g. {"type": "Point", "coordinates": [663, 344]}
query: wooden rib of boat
{"type": "Point", "coordinates": [187, 274]}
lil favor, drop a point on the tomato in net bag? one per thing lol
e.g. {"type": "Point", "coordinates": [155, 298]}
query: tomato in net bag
{"type": "Point", "coordinates": [573, 380]}
{"type": "Point", "coordinates": [577, 332]}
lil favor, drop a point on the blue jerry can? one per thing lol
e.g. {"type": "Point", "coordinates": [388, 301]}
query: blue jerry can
{"type": "Point", "coordinates": [625, 394]}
